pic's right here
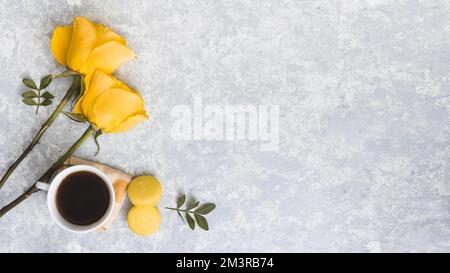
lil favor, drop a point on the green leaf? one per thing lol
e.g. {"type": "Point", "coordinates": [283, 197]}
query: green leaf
{"type": "Point", "coordinates": [190, 221]}
{"type": "Point", "coordinates": [46, 102]}
{"type": "Point", "coordinates": [180, 201]}
{"type": "Point", "coordinates": [201, 221]}
{"type": "Point", "coordinates": [29, 94]}
{"type": "Point", "coordinates": [47, 95]}
{"type": "Point", "coordinates": [206, 208]}
{"type": "Point", "coordinates": [193, 205]}
{"type": "Point", "coordinates": [45, 82]}
{"type": "Point", "coordinates": [74, 116]}
{"type": "Point", "coordinates": [29, 101]}
{"type": "Point", "coordinates": [96, 135]}
{"type": "Point", "coordinates": [30, 83]}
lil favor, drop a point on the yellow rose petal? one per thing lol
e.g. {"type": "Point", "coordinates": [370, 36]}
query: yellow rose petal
{"type": "Point", "coordinates": [77, 107]}
{"type": "Point", "coordinates": [121, 85]}
{"type": "Point", "coordinates": [144, 221]}
{"type": "Point", "coordinates": [144, 191]}
{"type": "Point", "coordinates": [129, 123]}
{"type": "Point", "coordinates": [84, 39]}
{"type": "Point", "coordinates": [60, 43]}
{"type": "Point", "coordinates": [105, 34]}
{"type": "Point", "coordinates": [88, 79]}
{"type": "Point", "coordinates": [98, 83]}
{"type": "Point", "coordinates": [108, 57]}
{"type": "Point", "coordinates": [113, 106]}
{"type": "Point", "coordinates": [87, 82]}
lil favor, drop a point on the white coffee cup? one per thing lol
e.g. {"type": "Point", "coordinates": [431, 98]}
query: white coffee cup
{"type": "Point", "coordinates": [52, 190]}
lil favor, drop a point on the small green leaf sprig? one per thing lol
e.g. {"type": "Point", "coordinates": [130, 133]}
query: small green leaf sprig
{"type": "Point", "coordinates": [194, 208]}
{"type": "Point", "coordinates": [34, 96]}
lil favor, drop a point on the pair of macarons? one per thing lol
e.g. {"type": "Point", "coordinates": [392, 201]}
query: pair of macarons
{"type": "Point", "coordinates": [144, 193]}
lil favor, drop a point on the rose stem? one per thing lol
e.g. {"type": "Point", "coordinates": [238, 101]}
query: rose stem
{"type": "Point", "coordinates": [73, 88]}
{"type": "Point", "coordinates": [59, 163]}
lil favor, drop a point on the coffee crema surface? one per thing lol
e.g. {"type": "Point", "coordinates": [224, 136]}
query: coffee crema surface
{"type": "Point", "coordinates": [82, 198]}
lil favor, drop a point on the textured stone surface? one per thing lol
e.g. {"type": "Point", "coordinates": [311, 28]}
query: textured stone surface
{"type": "Point", "coordinates": [364, 94]}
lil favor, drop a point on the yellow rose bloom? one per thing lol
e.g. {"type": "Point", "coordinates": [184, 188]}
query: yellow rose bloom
{"type": "Point", "coordinates": [86, 46]}
{"type": "Point", "coordinates": [110, 104]}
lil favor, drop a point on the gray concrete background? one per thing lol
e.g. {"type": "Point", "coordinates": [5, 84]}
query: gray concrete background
{"type": "Point", "coordinates": [364, 95]}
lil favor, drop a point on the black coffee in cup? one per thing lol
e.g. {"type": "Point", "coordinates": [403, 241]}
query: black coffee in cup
{"type": "Point", "coordinates": [82, 198]}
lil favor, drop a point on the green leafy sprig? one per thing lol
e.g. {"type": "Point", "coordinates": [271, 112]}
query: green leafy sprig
{"type": "Point", "coordinates": [34, 96]}
{"type": "Point", "coordinates": [194, 212]}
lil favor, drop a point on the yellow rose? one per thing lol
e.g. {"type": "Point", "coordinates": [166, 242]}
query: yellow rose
{"type": "Point", "coordinates": [109, 104]}
{"type": "Point", "coordinates": [86, 46]}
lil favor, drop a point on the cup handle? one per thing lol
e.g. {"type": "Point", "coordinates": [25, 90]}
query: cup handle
{"type": "Point", "coordinates": [43, 186]}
